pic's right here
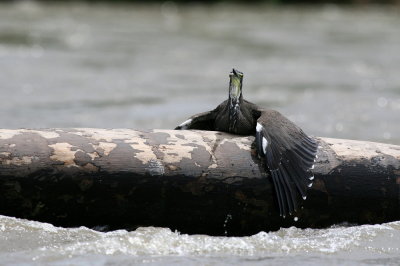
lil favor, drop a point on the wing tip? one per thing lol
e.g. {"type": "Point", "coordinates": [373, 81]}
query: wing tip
{"type": "Point", "coordinates": [184, 125]}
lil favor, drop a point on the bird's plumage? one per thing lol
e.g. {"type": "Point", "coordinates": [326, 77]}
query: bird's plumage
{"type": "Point", "coordinates": [287, 151]}
{"type": "Point", "coordinates": [289, 155]}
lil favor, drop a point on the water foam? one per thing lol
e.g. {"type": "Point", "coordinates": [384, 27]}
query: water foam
{"type": "Point", "coordinates": [47, 240]}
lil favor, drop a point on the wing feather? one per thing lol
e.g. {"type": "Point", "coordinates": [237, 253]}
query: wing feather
{"type": "Point", "coordinates": [292, 187]}
{"type": "Point", "coordinates": [289, 195]}
{"type": "Point", "coordinates": [289, 155]}
{"type": "Point", "coordinates": [202, 121]}
{"type": "Point", "coordinates": [278, 188]}
{"type": "Point", "coordinates": [301, 186]}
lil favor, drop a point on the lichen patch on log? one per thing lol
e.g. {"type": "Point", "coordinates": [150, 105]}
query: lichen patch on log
{"type": "Point", "coordinates": [19, 161]}
{"type": "Point", "coordinates": [107, 135]}
{"type": "Point", "coordinates": [63, 153]}
{"type": "Point", "coordinates": [155, 168]}
{"type": "Point", "coordinates": [10, 133]}
{"type": "Point", "coordinates": [5, 154]}
{"type": "Point", "coordinates": [144, 151]}
{"type": "Point", "coordinates": [176, 149]}
{"type": "Point", "coordinates": [386, 154]}
{"type": "Point", "coordinates": [68, 154]}
{"type": "Point", "coordinates": [45, 134]}
{"type": "Point", "coordinates": [105, 147]}
{"type": "Point", "coordinates": [196, 149]}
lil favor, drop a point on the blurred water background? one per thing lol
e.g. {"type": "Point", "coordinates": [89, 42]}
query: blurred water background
{"type": "Point", "coordinates": [333, 70]}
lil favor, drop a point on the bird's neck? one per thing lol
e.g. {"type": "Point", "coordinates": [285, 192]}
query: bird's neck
{"type": "Point", "coordinates": [234, 111]}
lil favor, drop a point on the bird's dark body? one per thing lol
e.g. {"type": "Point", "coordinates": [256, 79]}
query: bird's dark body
{"type": "Point", "coordinates": [246, 119]}
{"type": "Point", "coordinates": [289, 153]}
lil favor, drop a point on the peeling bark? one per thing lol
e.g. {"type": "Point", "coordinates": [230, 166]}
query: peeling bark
{"type": "Point", "coordinates": [191, 181]}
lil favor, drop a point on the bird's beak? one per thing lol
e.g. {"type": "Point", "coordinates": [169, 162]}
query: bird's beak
{"type": "Point", "coordinates": [235, 85]}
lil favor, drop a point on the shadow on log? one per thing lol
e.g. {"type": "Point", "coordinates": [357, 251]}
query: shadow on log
{"type": "Point", "coordinates": [197, 182]}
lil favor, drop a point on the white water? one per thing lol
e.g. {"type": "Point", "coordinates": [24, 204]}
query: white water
{"type": "Point", "coordinates": [25, 241]}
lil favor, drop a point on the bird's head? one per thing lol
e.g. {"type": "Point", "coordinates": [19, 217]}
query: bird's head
{"type": "Point", "coordinates": [235, 86]}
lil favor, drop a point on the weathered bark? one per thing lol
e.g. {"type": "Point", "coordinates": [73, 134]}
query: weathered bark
{"type": "Point", "coordinates": [192, 181]}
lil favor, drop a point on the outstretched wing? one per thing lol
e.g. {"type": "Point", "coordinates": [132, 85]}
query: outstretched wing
{"type": "Point", "coordinates": [202, 121]}
{"type": "Point", "coordinates": [289, 155]}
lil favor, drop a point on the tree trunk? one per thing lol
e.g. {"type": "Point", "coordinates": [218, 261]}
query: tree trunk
{"type": "Point", "coordinates": [200, 182]}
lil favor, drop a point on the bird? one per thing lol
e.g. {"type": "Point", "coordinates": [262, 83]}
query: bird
{"type": "Point", "coordinates": [287, 152]}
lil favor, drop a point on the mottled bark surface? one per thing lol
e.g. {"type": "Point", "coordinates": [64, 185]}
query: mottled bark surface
{"type": "Point", "coordinates": [191, 181]}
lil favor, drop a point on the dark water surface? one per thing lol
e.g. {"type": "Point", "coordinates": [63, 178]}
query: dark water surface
{"type": "Point", "coordinates": [334, 71]}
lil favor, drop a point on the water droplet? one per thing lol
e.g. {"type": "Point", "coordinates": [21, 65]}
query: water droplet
{"type": "Point", "coordinates": [228, 217]}
{"type": "Point", "coordinates": [382, 102]}
{"type": "Point", "coordinates": [339, 127]}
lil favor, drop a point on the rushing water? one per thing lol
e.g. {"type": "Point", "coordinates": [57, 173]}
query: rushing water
{"type": "Point", "coordinates": [33, 242]}
{"type": "Point", "coordinates": [333, 71]}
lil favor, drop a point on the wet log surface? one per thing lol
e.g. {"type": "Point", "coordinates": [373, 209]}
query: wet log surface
{"type": "Point", "coordinates": [197, 182]}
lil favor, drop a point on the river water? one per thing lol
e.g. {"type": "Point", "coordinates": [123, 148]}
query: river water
{"type": "Point", "coordinates": [334, 71]}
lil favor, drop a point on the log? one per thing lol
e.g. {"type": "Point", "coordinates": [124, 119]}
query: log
{"type": "Point", "coordinates": [197, 182]}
